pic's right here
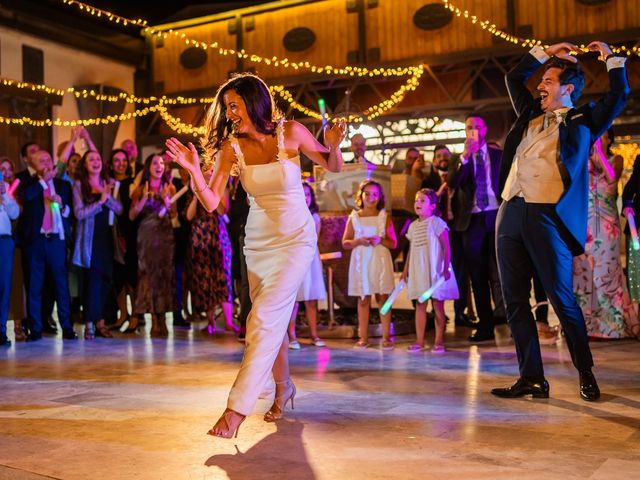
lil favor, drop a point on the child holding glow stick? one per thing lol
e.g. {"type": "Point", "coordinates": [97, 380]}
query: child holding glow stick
{"type": "Point", "coordinates": [369, 233]}
{"type": "Point", "coordinates": [429, 259]}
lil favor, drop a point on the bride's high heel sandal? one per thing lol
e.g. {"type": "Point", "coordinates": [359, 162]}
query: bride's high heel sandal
{"type": "Point", "coordinates": [225, 427]}
{"type": "Point", "coordinates": [276, 412]}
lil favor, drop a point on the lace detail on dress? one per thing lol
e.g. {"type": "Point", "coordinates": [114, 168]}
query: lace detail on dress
{"type": "Point", "coordinates": [239, 164]}
{"type": "Point", "coordinates": [282, 154]}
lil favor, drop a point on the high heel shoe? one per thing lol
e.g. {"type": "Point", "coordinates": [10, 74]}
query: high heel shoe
{"type": "Point", "coordinates": [130, 325]}
{"type": "Point", "coordinates": [102, 331]}
{"type": "Point", "coordinates": [120, 322]}
{"type": "Point", "coordinates": [224, 427]}
{"type": "Point", "coordinates": [276, 412]}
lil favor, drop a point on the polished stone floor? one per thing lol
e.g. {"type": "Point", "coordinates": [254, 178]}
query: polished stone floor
{"type": "Point", "coordinates": [138, 408]}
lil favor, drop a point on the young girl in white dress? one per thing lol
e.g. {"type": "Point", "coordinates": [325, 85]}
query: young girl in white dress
{"type": "Point", "coordinates": [429, 259]}
{"type": "Point", "coordinates": [312, 288]}
{"type": "Point", "coordinates": [369, 233]}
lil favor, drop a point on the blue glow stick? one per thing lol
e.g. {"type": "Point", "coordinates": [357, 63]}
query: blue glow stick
{"type": "Point", "coordinates": [427, 294]}
{"type": "Point", "coordinates": [633, 229]}
{"type": "Point", "coordinates": [392, 298]}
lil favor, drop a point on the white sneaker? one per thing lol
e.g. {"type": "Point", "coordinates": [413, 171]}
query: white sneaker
{"type": "Point", "coordinates": [317, 341]}
{"type": "Point", "coordinates": [294, 345]}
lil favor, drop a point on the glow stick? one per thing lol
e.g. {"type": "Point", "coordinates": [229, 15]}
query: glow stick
{"type": "Point", "coordinates": [323, 111]}
{"type": "Point", "coordinates": [13, 187]}
{"type": "Point", "coordinates": [57, 219]}
{"type": "Point", "coordinates": [427, 294]}
{"type": "Point", "coordinates": [631, 218]}
{"type": "Point", "coordinates": [392, 298]}
{"type": "Point", "coordinates": [180, 193]}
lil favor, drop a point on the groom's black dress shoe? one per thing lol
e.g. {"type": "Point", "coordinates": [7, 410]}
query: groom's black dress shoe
{"type": "Point", "coordinates": [589, 390]}
{"type": "Point", "coordinates": [524, 386]}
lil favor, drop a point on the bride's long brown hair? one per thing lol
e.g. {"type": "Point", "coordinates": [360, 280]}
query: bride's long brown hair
{"type": "Point", "coordinates": [260, 106]}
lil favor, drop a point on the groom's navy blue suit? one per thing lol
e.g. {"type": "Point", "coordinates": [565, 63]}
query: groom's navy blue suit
{"type": "Point", "coordinates": [545, 237]}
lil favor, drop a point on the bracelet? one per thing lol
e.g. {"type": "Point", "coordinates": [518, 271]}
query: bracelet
{"type": "Point", "coordinates": [193, 187]}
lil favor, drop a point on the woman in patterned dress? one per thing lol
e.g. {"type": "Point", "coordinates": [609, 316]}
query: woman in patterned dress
{"type": "Point", "coordinates": [209, 263]}
{"type": "Point", "coordinates": [598, 279]}
{"type": "Point", "coordinates": [150, 203]}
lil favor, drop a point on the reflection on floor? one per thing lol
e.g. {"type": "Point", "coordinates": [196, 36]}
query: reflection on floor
{"type": "Point", "coordinates": [138, 408]}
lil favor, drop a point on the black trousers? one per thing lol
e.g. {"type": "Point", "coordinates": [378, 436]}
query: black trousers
{"type": "Point", "coordinates": [532, 238]}
{"type": "Point", "coordinates": [245, 299]}
{"type": "Point", "coordinates": [479, 254]}
{"type": "Point", "coordinates": [459, 270]}
{"type": "Point", "coordinates": [42, 254]}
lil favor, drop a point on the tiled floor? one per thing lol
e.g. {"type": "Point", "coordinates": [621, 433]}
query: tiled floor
{"type": "Point", "coordinates": [136, 408]}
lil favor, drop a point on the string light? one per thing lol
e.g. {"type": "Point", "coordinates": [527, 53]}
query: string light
{"type": "Point", "coordinates": [525, 42]}
{"type": "Point", "coordinates": [276, 61]}
{"type": "Point", "coordinates": [75, 123]}
{"type": "Point", "coordinates": [177, 125]}
{"type": "Point", "coordinates": [369, 113]}
{"type": "Point", "coordinates": [98, 12]}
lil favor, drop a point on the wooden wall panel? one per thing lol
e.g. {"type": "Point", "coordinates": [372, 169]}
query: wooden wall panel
{"type": "Point", "coordinates": [336, 34]}
{"type": "Point", "coordinates": [390, 27]}
{"type": "Point", "coordinates": [176, 78]}
{"type": "Point", "coordinates": [566, 18]}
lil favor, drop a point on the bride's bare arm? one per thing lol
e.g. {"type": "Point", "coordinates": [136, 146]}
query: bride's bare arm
{"type": "Point", "coordinates": [212, 193]}
{"type": "Point", "coordinates": [329, 155]}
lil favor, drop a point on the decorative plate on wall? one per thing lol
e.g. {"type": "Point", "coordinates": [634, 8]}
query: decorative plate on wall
{"type": "Point", "coordinates": [299, 39]}
{"type": "Point", "coordinates": [432, 16]}
{"type": "Point", "coordinates": [193, 57]}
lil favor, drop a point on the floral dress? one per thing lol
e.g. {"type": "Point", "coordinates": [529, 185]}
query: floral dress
{"type": "Point", "coordinates": [208, 260]}
{"type": "Point", "coordinates": [598, 279]}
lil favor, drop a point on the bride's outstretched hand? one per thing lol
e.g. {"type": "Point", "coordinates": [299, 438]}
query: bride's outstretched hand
{"type": "Point", "coordinates": [335, 134]}
{"type": "Point", "coordinates": [186, 157]}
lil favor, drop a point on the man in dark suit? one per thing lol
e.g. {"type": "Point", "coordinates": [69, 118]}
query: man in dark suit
{"type": "Point", "coordinates": [475, 179]}
{"type": "Point", "coordinates": [542, 222]}
{"type": "Point", "coordinates": [27, 153]}
{"type": "Point", "coordinates": [42, 232]}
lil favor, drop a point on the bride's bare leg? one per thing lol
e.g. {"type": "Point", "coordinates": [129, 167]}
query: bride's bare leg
{"type": "Point", "coordinates": [285, 389]}
{"type": "Point", "coordinates": [281, 365]}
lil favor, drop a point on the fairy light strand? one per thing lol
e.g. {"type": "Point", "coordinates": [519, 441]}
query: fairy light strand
{"type": "Point", "coordinates": [275, 61]}
{"type": "Point", "coordinates": [524, 42]}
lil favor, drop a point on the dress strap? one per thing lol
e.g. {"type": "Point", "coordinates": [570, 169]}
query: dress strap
{"type": "Point", "coordinates": [239, 164]}
{"type": "Point", "coordinates": [282, 154]}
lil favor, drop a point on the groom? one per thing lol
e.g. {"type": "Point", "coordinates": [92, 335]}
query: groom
{"type": "Point", "coordinates": [542, 222]}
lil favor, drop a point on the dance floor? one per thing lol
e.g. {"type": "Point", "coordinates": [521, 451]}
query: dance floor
{"type": "Point", "coordinates": [138, 408]}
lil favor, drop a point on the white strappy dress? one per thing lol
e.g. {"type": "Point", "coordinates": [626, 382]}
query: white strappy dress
{"type": "Point", "coordinates": [280, 244]}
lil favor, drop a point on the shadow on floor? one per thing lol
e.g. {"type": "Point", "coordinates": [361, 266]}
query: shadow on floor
{"type": "Point", "coordinates": [279, 455]}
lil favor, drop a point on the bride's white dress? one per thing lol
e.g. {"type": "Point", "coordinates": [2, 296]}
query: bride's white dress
{"type": "Point", "coordinates": [280, 244]}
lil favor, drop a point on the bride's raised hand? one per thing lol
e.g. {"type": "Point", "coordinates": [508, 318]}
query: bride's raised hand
{"type": "Point", "coordinates": [186, 157]}
{"type": "Point", "coordinates": [335, 134]}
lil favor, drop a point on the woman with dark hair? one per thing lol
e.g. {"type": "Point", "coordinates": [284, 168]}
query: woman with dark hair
{"type": "Point", "coordinates": [124, 264]}
{"type": "Point", "coordinates": [93, 250]}
{"type": "Point", "coordinates": [598, 279]}
{"type": "Point", "coordinates": [150, 202]}
{"type": "Point", "coordinates": [247, 137]}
